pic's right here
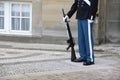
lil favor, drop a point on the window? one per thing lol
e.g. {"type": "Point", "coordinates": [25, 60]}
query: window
{"type": "Point", "coordinates": [15, 17]}
{"type": "Point", "coordinates": [1, 15]}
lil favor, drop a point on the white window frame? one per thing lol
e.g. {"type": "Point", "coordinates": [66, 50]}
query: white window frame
{"type": "Point", "coordinates": [7, 21]}
{"type": "Point", "coordinates": [4, 17]}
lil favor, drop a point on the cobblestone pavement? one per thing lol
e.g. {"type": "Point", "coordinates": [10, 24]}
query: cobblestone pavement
{"type": "Point", "coordinates": [33, 64]}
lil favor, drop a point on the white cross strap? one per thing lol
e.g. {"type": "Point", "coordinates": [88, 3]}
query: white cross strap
{"type": "Point", "coordinates": [88, 2]}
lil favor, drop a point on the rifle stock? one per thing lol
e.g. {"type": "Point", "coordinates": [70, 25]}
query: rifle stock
{"type": "Point", "coordinates": [70, 41]}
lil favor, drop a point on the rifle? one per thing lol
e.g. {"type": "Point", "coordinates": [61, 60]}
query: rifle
{"type": "Point", "coordinates": [70, 41]}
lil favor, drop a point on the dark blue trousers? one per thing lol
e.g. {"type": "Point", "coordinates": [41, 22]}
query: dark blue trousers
{"type": "Point", "coordinates": [85, 40]}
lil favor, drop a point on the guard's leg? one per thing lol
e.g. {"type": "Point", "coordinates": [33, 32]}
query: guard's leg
{"type": "Point", "coordinates": [81, 41]}
{"type": "Point", "coordinates": [88, 40]}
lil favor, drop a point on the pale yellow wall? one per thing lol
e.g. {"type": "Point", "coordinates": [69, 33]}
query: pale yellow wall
{"type": "Point", "coordinates": [37, 17]}
{"type": "Point", "coordinates": [52, 13]}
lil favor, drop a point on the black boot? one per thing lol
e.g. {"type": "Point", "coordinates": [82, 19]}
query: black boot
{"type": "Point", "coordinates": [79, 60]}
{"type": "Point", "coordinates": [86, 63]}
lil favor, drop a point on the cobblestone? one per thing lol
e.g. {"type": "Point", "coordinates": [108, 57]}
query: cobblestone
{"type": "Point", "coordinates": [28, 63]}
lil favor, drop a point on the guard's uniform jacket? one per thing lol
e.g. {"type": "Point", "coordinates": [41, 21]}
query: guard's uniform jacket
{"type": "Point", "coordinates": [86, 9]}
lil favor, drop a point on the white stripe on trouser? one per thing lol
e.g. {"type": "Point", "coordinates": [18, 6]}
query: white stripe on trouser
{"type": "Point", "coordinates": [90, 41]}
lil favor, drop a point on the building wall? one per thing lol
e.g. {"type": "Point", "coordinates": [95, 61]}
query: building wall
{"type": "Point", "coordinates": [113, 21]}
{"type": "Point", "coordinates": [36, 17]}
{"type": "Point", "coordinates": [47, 15]}
{"type": "Point", "coordinates": [102, 21]}
{"type": "Point", "coordinates": [52, 14]}
{"type": "Point", "coordinates": [109, 21]}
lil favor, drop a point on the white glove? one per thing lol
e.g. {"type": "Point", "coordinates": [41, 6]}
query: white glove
{"type": "Point", "coordinates": [66, 18]}
{"type": "Point", "coordinates": [90, 20]}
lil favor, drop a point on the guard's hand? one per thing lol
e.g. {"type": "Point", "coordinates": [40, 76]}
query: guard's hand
{"type": "Point", "coordinates": [66, 19]}
{"type": "Point", "coordinates": [91, 20]}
